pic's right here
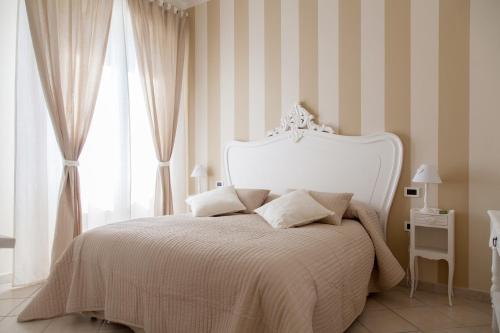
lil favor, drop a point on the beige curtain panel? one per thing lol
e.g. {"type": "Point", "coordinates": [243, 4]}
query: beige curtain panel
{"type": "Point", "coordinates": [160, 33]}
{"type": "Point", "coordinates": [69, 39]}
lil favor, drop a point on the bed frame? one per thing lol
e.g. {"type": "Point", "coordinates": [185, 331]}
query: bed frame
{"type": "Point", "coordinates": [302, 154]}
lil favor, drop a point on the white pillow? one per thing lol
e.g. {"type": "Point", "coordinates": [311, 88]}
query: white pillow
{"type": "Point", "coordinates": [222, 200]}
{"type": "Point", "coordinates": [292, 210]}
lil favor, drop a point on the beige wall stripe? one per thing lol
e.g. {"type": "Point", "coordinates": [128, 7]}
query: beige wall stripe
{"type": "Point", "coordinates": [308, 51]}
{"type": "Point", "coordinates": [190, 121]}
{"type": "Point", "coordinates": [257, 74]}
{"type": "Point", "coordinates": [227, 75]}
{"type": "Point", "coordinates": [454, 126]}
{"type": "Point", "coordinates": [290, 87]}
{"type": "Point", "coordinates": [201, 88]}
{"type": "Point", "coordinates": [349, 67]}
{"type": "Point", "coordinates": [397, 116]}
{"type": "Point", "coordinates": [241, 69]}
{"type": "Point", "coordinates": [273, 62]}
{"type": "Point", "coordinates": [484, 159]}
{"type": "Point", "coordinates": [213, 72]}
{"type": "Point", "coordinates": [424, 101]}
{"type": "Point", "coordinates": [372, 66]}
{"type": "Point", "coordinates": [328, 62]}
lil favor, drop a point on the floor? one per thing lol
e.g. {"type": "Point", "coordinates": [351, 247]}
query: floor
{"type": "Point", "coordinates": [389, 312]}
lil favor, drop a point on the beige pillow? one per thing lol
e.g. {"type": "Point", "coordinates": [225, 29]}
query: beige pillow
{"type": "Point", "coordinates": [270, 197]}
{"type": "Point", "coordinates": [292, 210]}
{"type": "Point", "coordinates": [336, 202]}
{"type": "Point", "coordinates": [251, 198]}
{"type": "Point", "coordinates": [222, 200]}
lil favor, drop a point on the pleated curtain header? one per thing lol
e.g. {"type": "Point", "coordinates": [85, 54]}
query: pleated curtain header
{"type": "Point", "coordinates": [166, 5]}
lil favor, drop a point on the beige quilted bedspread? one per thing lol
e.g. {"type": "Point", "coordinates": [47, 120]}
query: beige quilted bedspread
{"type": "Point", "coordinates": [223, 274]}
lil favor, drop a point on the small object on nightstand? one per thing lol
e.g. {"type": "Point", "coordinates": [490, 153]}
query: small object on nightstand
{"type": "Point", "coordinates": [438, 229]}
{"type": "Point", "coordinates": [7, 242]}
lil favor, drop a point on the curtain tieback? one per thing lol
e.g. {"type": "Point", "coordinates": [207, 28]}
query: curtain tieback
{"type": "Point", "coordinates": [163, 164]}
{"type": "Point", "coordinates": [70, 163]}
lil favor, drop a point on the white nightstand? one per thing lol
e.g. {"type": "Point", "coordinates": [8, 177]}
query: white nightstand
{"type": "Point", "coordinates": [432, 236]}
{"type": "Point", "coordinates": [495, 267]}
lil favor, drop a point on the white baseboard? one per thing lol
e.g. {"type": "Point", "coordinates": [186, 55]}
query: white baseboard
{"type": "Point", "coordinates": [5, 278]}
{"type": "Point", "coordinates": [439, 288]}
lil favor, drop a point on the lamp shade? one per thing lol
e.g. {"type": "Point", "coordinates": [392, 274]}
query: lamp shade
{"type": "Point", "coordinates": [427, 174]}
{"type": "Point", "coordinates": [199, 171]}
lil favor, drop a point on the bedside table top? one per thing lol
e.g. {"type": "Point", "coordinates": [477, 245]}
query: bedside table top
{"type": "Point", "coordinates": [432, 219]}
{"type": "Point", "coordinates": [435, 212]}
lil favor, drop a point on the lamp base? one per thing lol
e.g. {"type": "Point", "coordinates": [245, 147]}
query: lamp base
{"type": "Point", "coordinates": [427, 210]}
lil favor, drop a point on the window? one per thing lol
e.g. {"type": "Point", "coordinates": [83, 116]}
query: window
{"type": "Point", "coordinates": [117, 165]}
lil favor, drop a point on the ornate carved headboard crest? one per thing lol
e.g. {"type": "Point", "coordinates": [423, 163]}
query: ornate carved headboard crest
{"type": "Point", "coordinates": [296, 121]}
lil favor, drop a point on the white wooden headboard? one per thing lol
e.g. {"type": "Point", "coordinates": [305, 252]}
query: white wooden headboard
{"type": "Point", "coordinates": [302, 154]}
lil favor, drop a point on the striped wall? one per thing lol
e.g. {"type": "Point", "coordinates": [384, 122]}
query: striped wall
{"type": "Point", "coordinates": [411, 67]}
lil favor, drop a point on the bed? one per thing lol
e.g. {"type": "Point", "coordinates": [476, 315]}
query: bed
{"type": "Point", "coordinates": [235, 273]}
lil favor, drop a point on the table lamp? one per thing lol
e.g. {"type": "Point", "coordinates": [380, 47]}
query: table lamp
{"type": "Point", "coordinates": [426, 174]}
{"type": "Point", "coordinates": [199, 171]}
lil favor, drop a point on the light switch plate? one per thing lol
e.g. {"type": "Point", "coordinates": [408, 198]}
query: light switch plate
{"type": "Point", "coordinates": [412, 192]}
{"type": "Point", "coordinates": [407, 226]}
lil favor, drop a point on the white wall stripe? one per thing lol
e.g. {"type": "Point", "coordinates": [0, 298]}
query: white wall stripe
{"type": "Point", "coordinates": [372, 66]}
{"type": "Point", "coordinates": [328, 62]}
{"type": "Point", "coordinates": [227, 81]}
{"type": "Point", "coordinates": [256, 65]}
{"type": "Point", "coordinates": [289, 54]}
{"type": "Point", "coordinates": [201, 86]}
{"type": "Point", "coordinates": [424, 102]}
{"type": "Point", "coordinates": [424, 88]}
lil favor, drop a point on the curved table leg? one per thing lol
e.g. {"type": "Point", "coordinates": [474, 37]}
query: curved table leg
{"type": "Point", "coordinates": [495, 273]}
{"type": "Point", "coordinates": [416, 273]}
{"type": "Point", "coordinates": [451, 269]}
{"type": "Point", "coordinates": [412, 275]}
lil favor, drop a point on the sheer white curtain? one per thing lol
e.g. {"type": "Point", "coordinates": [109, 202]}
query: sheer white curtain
{"type": "Point", "coordinates": [117, 165]}
{"type": "Point", "coordinates": [38, 166]}
{"type": "Point", "coordinates": [106, 158]}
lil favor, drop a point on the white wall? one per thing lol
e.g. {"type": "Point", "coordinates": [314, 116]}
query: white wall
{"type": "Point", "coordinates": [8, 29]}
